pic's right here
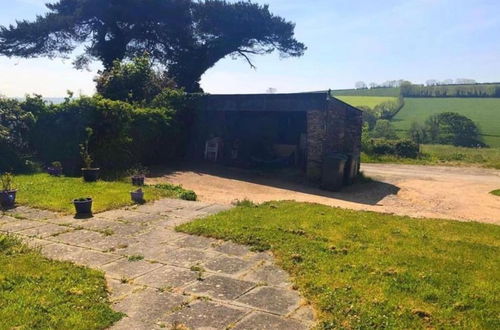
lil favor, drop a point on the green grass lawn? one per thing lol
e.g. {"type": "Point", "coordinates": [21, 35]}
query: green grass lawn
{"type": "Point", "coordinates": [38, 293]}
{"type": "Point", "coordinates": [56, 194]}
{"type": "Point", "coordinates": [364, 270]}
{"type": "Point", "coordinates": [367, 101]}
{"type": "Point", "coordinates": [444, 155]}
{"type": "Point", "coordinates": [485, 112]}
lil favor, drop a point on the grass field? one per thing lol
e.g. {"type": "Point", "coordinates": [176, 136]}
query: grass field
{"type": "Point", "coordinates": [56, 194]}
{"type": "Point", "coordinates": [444, 155]}
{"type": "Point", "coordinates": [38, 293]}
{"type": "Point", "coordinates": [365, 270]}
{"type": "Point", "coordinates": [391, 92]}
{"type": "Point", "coordinates": [368, 101]}
{"type": "Point", "coordinates": [485, 112]}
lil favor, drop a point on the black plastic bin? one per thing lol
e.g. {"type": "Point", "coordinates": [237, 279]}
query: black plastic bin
{"type": "Point", "coordinates": [351, 169]}
{"type": "Point", "coordinates": [332, 177]}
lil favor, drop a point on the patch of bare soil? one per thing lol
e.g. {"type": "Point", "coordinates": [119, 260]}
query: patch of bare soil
{"type": "Point", "coordinates": [417, 191]}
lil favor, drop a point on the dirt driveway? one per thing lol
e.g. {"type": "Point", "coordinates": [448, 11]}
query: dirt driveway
{"type": "Point", "coordinates": [418, 191]}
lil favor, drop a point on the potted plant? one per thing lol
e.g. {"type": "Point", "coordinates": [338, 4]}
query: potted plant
{"type": "Point", "coordinates": [90, 174]}
{"type": "Point", "coordinates": [137, 196]}
{"type": "Point", "coordinates": [8, 193]}
{"type": "Point", "coordinates": [83, 205]}
{"type": "Point", "coordinates": [55, 169]}
{"type": "Point", "coordinates": [138, 174]}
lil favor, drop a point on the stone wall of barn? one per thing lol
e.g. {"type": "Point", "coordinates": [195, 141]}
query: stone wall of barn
{"type": "Point", "coordinates": [338, 129]}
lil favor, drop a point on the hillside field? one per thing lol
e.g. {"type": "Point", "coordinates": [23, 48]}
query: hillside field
{"type": "Point", "coordinates": [367, 101]}
{"type": "Point", "coordinates": [485, 112]}
{"type": "Point", "coordinates": [392, 92]}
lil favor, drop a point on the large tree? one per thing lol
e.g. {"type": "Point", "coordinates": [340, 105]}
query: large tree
{"type": "Point", "coordinates": [186, 37]}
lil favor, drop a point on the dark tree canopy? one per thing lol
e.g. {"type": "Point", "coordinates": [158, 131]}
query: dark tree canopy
{"type": "Point", "coordinates": [186, 37]}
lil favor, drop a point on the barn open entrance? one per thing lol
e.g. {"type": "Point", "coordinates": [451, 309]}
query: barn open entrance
{"type": "Point", "coordinates": [257, 139]}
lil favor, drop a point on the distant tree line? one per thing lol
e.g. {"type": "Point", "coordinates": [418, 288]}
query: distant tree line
{"type": "Point", "coordinates": [475, 90]}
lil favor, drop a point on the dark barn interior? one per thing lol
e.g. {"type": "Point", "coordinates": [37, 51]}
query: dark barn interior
{"type": "Point", "coordinates": [276, 131]}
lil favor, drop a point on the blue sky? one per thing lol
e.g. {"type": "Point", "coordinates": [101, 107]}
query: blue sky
{"type": "Point", "coordinates": [348, 41]}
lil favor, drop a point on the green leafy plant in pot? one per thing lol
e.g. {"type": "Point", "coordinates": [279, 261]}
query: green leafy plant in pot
{"type": "Point", "coordinates": [138, 174]}
{"type": "Point", "coordinates": [55, 169]}
{"type": "Point", "coordinates": [8, 193]}
{"type": "Point", "coordinates": [83, 205]}
{"type": "Point", "coordinates": [90, 174]}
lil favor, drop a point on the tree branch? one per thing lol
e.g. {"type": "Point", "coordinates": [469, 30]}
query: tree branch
{"type": "Point", "coordinates": [247, 58]}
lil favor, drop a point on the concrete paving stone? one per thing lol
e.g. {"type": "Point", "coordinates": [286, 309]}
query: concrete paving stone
{"type": "Point", "coordinates": [35, 243]}
{"type": "Point", "coordinates": [233, 249]}
{"type": "Point", "coordinates": [167, 277]}
{"type": "Point", "coordinates": [149, 305]}
{"type": "Point", "coordinates": [114, 243]}
{"type": "Point", "coordinates": [149, 250]}
{"type": "Point", "coordinates": [160, 236]}
{"type": "Point", "coordinates": [187, 257]}
{"type": "Point", "coordinates": [77, 255]}
{"type": "Point", "coordinates": [128, 323]}
{"type": "Point", "coordinates": [6, 219]}
{"type": "Point", "coordinates": [264, 321]}
{"type": "Point", "coordinates": [205, 315]}
{"type": "Point", "coordinates": [129, 217]}
{"type": "Point", "coordinates": [114, 227]}
{"type": "Point", "coordinates": [228, 265]}
{"type": "Point", "coordinates": [269, 274]}
{"type": "Point", "coordinates": [274, 300]}
{"type": "Point", "coordinates": [18, 225]}
{"type": "Point", "coordinates": [196, 242]}
{"type": "Point", "coordinates": [215, 208]}
{"type": "Point", "coordinates": [124, 268]}
{"type": "Point", "coordinates": [31, 213]}
{"type": "Point", "coordinates": [304, 313]}
{"type": "Point", "coordinates": [46, 230]}
{"type": "Point", "coordinates": [220, 287]}
{"type": "Point", "coordinates": [78, 237]}
{"type": "Point", "coordinates": [68, 220]}
{"type": "Point", "coordinates": [118, 289]}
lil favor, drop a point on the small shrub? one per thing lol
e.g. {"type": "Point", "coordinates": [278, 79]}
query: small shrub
{"type": "Point", "coordinates": [188, 195]}
{"type": "Point", "coordinates": [399, 148]}
{"type": "Point", "coordinates": [244, 203]}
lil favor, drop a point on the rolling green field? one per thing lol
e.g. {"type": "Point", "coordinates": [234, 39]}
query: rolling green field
{"type": "Point", "coordinates": [485, 112]}
{"type": "Point", "coordinates": [367, 101]}
{"type": "Point", "coordinates": [392, 92]}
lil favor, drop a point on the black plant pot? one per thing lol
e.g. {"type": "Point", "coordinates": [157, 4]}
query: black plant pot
{"type": "Point", "coordinates": [54, 171]}
{"type": "Point", "coordinates": [137, 196]}
{"type": "Point", "coordinates": [83, 206]}
{"type": "Point", "coordinates": [90, 174]}
{"type": "Point", "coordinates": [8, 198]}
{"type": "Point", "coordinates": [138, 180]}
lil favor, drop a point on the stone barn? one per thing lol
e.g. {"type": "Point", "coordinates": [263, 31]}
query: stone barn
{"type": "Point", "coordinates": [302, 130]}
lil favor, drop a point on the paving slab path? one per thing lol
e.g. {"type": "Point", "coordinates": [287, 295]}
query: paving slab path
{"type": "Point", "coordinates": [161, 278]}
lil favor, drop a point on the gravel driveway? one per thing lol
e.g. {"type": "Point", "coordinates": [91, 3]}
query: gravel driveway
{"type": "Point", "coordinates": [457, 193]}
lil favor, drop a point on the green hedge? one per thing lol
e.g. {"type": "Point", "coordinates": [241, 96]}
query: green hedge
{"type": "Point", "coordinates": [399, 148]}
{"type": "Point", "coordinates": [123, 135]}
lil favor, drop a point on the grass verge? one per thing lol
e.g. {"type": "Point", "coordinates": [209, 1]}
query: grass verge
{"type": "Point", "coordinates": [366, 270]}
{"type": "Point", "coordinates": [57, 193]}
{"type": "Point", "coordinates": [444, 155]}
{"type": "Point", "coordinates": [38, 293]}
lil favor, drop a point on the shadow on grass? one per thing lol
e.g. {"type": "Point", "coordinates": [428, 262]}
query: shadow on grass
{"type": "Point", "coordinates": [369, 192]}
